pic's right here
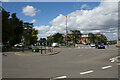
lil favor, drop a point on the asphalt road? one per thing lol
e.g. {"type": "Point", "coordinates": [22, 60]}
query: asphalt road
{"type": "Point", "coordinates": [79, 62]}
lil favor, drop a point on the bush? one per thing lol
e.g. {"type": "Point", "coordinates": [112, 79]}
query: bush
{"type": "Point", "coordinates": [35, 47]}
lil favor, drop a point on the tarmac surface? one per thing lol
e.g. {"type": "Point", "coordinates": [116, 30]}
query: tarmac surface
{"type": "Point", "coordinates": [78, 62]}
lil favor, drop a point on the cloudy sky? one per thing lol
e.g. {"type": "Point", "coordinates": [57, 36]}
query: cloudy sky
{"type": "Point", "coordinates": [49, 17]}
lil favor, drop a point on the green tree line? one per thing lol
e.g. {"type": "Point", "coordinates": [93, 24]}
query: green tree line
{"type": "Point", "coordinates": [74, 36]}
{"type": "Point", "coordinates": [14, 30]}
{"type": "Point", "coordinates": [93, 39]}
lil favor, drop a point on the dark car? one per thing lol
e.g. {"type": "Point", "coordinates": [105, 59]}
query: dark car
{"type": "Point", "coordinates": [99, 46]}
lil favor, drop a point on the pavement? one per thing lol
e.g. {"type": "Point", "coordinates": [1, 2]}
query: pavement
{"type": "Point", "coordinates": [78, 62]}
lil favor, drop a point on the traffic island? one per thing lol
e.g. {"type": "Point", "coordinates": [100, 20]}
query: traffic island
{"type": "Point", "coordinates": [26, 53]}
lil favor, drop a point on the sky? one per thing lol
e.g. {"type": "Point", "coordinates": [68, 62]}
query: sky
{"type": "Point", "coordinates": [49, 17]}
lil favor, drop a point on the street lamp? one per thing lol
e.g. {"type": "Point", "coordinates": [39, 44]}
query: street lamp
{"type": "Point", "coordinates": [66, 30]}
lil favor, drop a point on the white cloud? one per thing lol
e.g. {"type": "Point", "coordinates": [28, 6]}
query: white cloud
{"type": "Point", "coordinates": [29, 11]}
{"type": "Point", "coordinates": [42, 30]}
{"type": "Point", "coordinates": [103, 18]}
{"type": "Point", "coordinates": [85, 6]}
{"type": "Point", "coordinates": [33, 21]}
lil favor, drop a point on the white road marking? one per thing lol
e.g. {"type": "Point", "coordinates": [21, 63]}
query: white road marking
{"type": "Point", "coordinates": [105, 67]}
{"type": "Point", "coordinates": [115, 59]}
{"type": "Point", "coordinates": [112, 61]}
{"type": "Point", "coordinates": [87, 72]}
{"type": "Point", "coordinates": [112, 58]}
{"type": "Point", "coordinates": [61, 77]}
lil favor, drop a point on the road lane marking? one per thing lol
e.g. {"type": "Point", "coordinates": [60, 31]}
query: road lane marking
{"type": "Point", "coordinates": [61, 77]}
{"type": "Point", "coordinates": [106, 67]}
{"type": "Point", "coordinates": [115, 59]}
{"type": "Point", "coordinates": [112, 61]}
{"type": "Point", "coordinates": [87, 72]}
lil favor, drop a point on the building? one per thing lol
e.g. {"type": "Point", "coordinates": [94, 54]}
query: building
{"type": "Point", "coordinates": [97, 34]}
{"type": "Point", "coordinates": [84, 38]}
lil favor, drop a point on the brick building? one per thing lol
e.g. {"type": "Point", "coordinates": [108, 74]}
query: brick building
{"type": "Point", "coordinates": [84, 38]}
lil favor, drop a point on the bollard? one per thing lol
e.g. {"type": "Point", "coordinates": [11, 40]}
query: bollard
{"type": "Point", "coordinates": [41, 50]}
{"type": "Point", "coordinates": [45, 49]}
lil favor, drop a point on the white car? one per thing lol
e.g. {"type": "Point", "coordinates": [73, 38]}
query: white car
{"type": "Point", "coordinates": [84, 43]}
{"type": "Point", "coordinates": [92, 44]}
{"type": "Point", "coordinates": [18, 45]}
{"type": "Point", "coordinates": [55, 45]}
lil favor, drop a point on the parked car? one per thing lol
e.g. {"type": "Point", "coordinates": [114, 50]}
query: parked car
{"type": "Point", "coordinates": [99, 46]}
{"type": "Point", "coordinates": [84, 43]}
{"type": "Point", "coordinates": [92, 44]}
{"type": "Point", "coordinates": [62, 44]}
{"type": "Point", "coordinates": [18, 45]}
{"type": "Point", "coordinates": [55, 45]}
{"type": "Point", "coordinates": [30, 46]}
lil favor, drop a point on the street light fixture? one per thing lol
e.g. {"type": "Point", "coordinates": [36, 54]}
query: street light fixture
{"type": "Point", "coordinates": [66, 30]}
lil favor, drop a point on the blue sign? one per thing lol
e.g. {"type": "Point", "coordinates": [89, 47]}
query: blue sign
{"type": "Point", "coordinates": [41, 41]}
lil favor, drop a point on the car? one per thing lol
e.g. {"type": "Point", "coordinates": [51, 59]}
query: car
{"type": "Point", "coordinates": [92, 44]}
{"type": "Point", "coordinates": [84, 43]}
{"type": "Point", "coordinates": [55, 45]}
{"type": "Point", "coordinates": [30, 46]}
{"type": "Point", "coordinates": [18, 45]}
{"type": "Point", "coordinates": [62, 44]}
{"type": "Point", "coordinates": [99, 46]}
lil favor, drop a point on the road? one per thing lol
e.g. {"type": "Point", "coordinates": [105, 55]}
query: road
{"type": "Point", "coordinates": [78, 62]}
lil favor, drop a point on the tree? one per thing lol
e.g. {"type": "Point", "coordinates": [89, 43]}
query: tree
{"type": "Point", "coordinates": [58, 37]}
{"type": "Point", "coordinates": [34, 37]}
{"type": "Point", "coordinates": [103, 38]}
{"type": "Point", "coordinates": [91, 37]}
{"type": "Point", "coordinates": [16, 30]}
{"type": "Point", "coordinates": [11, 28]}
{"type": "Point", "coordinates": [76, 35]}
{"type": "Point", "coordinates": [5, 26]}
{"type": "Point", "coordinates": [27, 34]}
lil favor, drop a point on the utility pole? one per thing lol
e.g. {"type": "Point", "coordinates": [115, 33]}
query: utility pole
{"type": "Point", "coordinates": [66, 31]}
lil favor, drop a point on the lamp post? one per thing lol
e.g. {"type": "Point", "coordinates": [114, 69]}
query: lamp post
{"type": "Point", "coordinates": [66, 31]}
